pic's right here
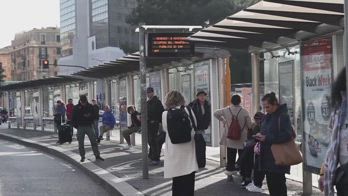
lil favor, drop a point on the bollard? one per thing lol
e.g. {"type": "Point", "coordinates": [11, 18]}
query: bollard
{"type": "Point", "coordinates": [9, 124]}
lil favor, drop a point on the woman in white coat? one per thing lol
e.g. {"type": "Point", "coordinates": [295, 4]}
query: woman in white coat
{"type": "Point", "coordinates": [233, 146]}
{"type": "Point", "coordinates": [180, 161]}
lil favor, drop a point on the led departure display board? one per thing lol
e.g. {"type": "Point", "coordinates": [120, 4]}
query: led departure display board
{"type": "Point", "coordinates": [169, 45]}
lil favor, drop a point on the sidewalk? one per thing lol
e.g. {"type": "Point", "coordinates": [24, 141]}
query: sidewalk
{"type": "Point", "coordinates": [124, 168]}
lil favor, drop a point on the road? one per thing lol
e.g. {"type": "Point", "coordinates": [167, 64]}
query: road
{"type": "Point", "coordinates": [28, 172]}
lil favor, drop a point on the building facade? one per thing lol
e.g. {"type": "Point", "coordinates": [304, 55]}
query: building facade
{"type": "Point", "coordinates": [29, 49]}
{"type": "Point", "coordinates": [5, 62]}
{"type": "Point", "coordinates": [94, 33]}
{"type": "Point", "coordinates": [108, 24]}
{"type": "Point", "coordinates": [67, 25]}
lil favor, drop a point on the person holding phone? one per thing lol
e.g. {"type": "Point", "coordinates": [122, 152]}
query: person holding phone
{"type": "Point", "coordinates": [275, 129]}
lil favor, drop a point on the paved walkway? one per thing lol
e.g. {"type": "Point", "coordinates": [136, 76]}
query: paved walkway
{"type": "Point", "coordinates": [127, 167]}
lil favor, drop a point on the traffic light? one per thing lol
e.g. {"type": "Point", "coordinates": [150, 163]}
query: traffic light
{"type": "Point", "coordinates": [45, 64]}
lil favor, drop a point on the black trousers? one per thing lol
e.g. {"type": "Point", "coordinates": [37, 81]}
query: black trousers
{"type": "Point", "coordinates": [276, 183]}
{"type": "Point", "coordinates": [246, 162]}
{"type": "Point", "coordinates": [341, 187]}
{"type": "Point", "coordinates": [259, 175]}
{"type": "Point", "coordinates": [155, 146]}
{"type": "Point", "coordinates": [184, 185]}
{"type": "Point", "coordinates": [231, 158]}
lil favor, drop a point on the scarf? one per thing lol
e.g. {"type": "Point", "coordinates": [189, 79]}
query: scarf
{"type": "Point", "coordinates": [332, 157]}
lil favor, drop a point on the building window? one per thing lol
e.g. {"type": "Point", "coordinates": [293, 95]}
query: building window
{"type": "Point", "coordinates": [93, 45]}
{"type": "Point", "coordinates": [59, 51]}
{"type": "Point", "coordinates": [58, 38]}
{"type": "Point", "coordinates": [43, 53]}
{"type": "Point", "coordinates": [43, 39]}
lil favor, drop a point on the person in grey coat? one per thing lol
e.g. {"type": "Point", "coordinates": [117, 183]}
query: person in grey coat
{"type": "Point", "coordinates": [233, 146]}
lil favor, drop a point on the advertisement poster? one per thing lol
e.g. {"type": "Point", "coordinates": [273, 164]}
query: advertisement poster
{"type": "Point", "coordinates": [202, 83]}
{"type": "Point", "coordinates": [155, 83]}
{"type": "Point", "coordinates": [186, 87]}
{"type": "Point", "coordinates": [202, 77]}
{"type": "Point", "coordinates": [317, 79]}
{"type": "Point", "coordinates": [286, 86]}
{"type": "Point", "coordinates": [245, 93]}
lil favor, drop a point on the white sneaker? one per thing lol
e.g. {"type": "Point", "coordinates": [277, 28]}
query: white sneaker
{"type": "Point", "coordinates": [252, 188]}
{"type": "Point", "coordinates": [126, 147]}
{"type": "Point", "coordinates": [249, 185]}
{"type": "Point", "coordinates": [228, 173]}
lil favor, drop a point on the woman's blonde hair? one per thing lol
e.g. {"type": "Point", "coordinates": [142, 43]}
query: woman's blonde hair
{"type": "Point", "coordinates": [174, 99]}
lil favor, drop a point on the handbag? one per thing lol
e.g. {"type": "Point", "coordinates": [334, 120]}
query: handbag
{"type": "Point", "coordinates": [286, 154]}
{"type": "Point", "coordinates": [200, 144]}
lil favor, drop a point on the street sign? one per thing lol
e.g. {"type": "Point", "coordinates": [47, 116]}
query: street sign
{"type": "Point", "coordinates": [169, 45]}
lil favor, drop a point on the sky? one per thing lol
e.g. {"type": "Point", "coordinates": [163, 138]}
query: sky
{"type": "Point", "coordinates": [23, 15]}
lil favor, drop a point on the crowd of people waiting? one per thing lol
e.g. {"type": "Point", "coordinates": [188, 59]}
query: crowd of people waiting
{"type": "Point", "coordinates": [181, 127]}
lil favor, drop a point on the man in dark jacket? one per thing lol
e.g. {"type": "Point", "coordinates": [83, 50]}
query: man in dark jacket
{"type": "Point", "coordinates": [83, 119]}
{"type": "Point", "coordinates": [202, 109]}
{"type": "Point", "coordinates": [155, 110]}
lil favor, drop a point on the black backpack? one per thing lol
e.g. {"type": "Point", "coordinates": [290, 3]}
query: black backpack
{"type": "Point", "coordinates": [179, 125]}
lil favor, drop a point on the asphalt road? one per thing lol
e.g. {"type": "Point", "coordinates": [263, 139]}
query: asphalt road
{"type": "Point", "coordinates": [28, 172]}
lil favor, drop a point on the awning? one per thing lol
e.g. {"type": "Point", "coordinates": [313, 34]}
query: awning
{"type": "Point", "coordinates": [270, 23]}
{"type": "Point", "coordinates": [40, 82]}
{"type": "Point", "coordinates": [128, 64]}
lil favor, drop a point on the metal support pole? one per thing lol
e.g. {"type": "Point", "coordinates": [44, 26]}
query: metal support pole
{"type": "Point", "coordinates": [142, 64]}
{"type": "Point", "coordinates": [164, 82]}
{"type": "Point", "coordinates": [117, 95]}
{"type": "Point", "coordinates": [307, 181]}
{"type": "Point", "coordinates": [23, 109]}
{"type": "Point", "coordinates": [345, 39]}
{"type": "Point", "coordinates": [41, 108]}
{"type": "Point", "coordinates": [107, 93]}
{"type": "Point", "coordinates": [130, 100]}
{"type": "Point", "coordinates": [255, 72]}
{"type": "Point", "coordinates": [222, 101]}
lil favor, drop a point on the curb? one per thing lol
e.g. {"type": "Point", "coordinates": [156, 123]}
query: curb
{"type": "Point", "coordinates": [113, 184]}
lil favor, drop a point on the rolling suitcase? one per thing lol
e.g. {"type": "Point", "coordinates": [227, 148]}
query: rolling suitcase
{"type": "Point", "coordinates": [65, 133]}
